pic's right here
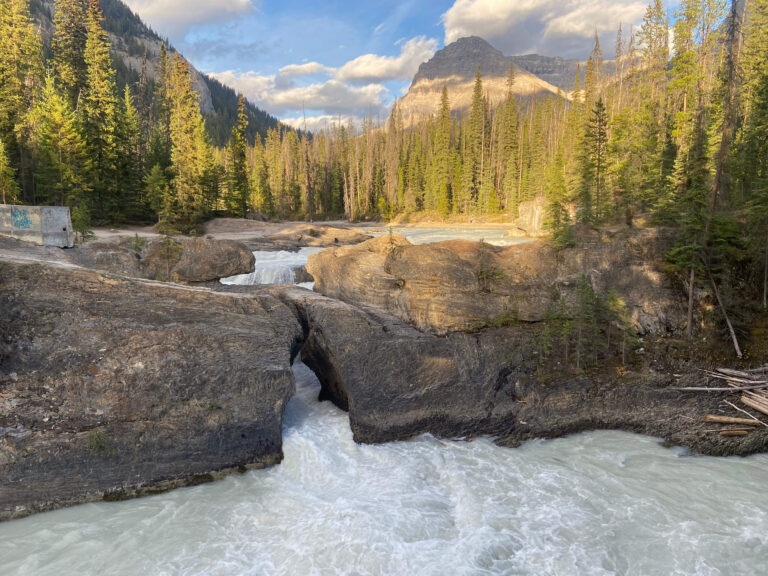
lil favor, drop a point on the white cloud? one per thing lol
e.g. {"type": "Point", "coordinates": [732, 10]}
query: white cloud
{"type": "Point", "coordinates": [308, 69]}
{"type": "Point", "coordinates": [353, 91]}
{"type": "Point", "coordinates": [176, 16]}
{"type": "Point", "coordinates": [553, 27]}
{"type": "Point", "coordinates": [322, 122]}
{"type": "Point", "coordinates": [331, 97]}
{"type": "Point", "coordinates": [371, 67]}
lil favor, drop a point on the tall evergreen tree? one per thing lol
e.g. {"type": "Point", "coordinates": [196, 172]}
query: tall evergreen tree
{"type": "Point", "coordinates": [99, 114]}
{"type": "Point", "coordinates": [194, 180]}
{"type": "Point", "coordinates": [441, 160]}
{"type": "Point", "coordinates": [63, 165]}
{"type": "Point", "coordinates": [509, 147]}
{"type": "Point", "coordinates": [474, 147]}
{"type": "Point", "coordinates": [8, 188]}
{"type": "Point", "coordinates": [238, 192]}
{"type": "Point", "coordinates": [129, 155]}
{"type": "Point", "coordinates": [20, 81]}
{"type": "Point", "coordinates": [69, 39]}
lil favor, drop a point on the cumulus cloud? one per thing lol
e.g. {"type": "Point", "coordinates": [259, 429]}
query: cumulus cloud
{"type": "Point", "coordinates": [307, 69]}
{"type": "Point", "coordinates": [176, 16]}
{"type": "Point", "coordinates": [371, 67]}
{"type": "Point", "coordinates": [553, 27]}
{"type": "Point", "coordinates": [331, 97]}
{"type": "Point", "coordinates": [322, 121]}
{"type": "Point", "coordinates": [353, 91]}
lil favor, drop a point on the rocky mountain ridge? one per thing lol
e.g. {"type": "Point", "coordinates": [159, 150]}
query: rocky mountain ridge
{"type": "Point", "coordinates": [456, 66]}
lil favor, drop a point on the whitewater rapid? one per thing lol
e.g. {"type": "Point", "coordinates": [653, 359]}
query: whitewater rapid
{"type": "Point", "coordinates": [274, 268]}
{"type": "Point", "coordinates": [593, 504]}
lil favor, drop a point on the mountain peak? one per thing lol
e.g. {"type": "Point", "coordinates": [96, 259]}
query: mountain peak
{"type": "Point", "coordinates": [461, 58]}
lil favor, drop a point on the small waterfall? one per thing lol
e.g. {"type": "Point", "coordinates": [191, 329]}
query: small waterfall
{"type": "Point", "coordinates": [273, 268]}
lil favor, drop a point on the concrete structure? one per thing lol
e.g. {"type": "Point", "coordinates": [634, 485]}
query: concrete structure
{"type": "Point", "coordinates": [43, 225]}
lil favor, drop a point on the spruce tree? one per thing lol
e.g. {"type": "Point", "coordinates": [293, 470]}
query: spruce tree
{"type": "Point", "coordinates": [8, 188]}
{"type": "Point", "coordinates": [441, 161]}
{"type": "Point", "coordinates": [99, 117]}
{"type": "Point", "coordinates": [509, 147]}
{"type": "Point", "coordinates": [69, 39]}
{"type": "Point", "coordinates": [21, 80]}
{"type": "Point", "coordinates": [557, 219]}
{"type": "Point", "coordinates": [474, 147]}
{"type": "Point", "coordinates": [194, 177]}
{"type": "Point", "coordinates": [753, 142]}
{"type": "Point", "coordinates": [63, 166]}
{"type": "Point", "coordinates": [261, 198]}
{"type": "Point", "coordinates": [238, 191]}
{"type": "Point", "coordinates": [129, 176]}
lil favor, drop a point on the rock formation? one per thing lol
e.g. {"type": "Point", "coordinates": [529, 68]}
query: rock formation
{"type": "Point", "coordinates": [169, 259]}
{"type": "Point", "coordinates": [397, 382]}
{"type": "Point", "coordinates": [112, 387]}
{"type": "Point", "coordinates": [466, 286]}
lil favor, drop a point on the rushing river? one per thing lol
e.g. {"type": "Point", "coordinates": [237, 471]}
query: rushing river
{"type": "Point", "coordinates": [592, 504]}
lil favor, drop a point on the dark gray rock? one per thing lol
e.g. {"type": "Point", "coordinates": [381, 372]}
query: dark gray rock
{"type": "Point", "coordinates": [112, 387]}
{"type": "Point", "coordinates": [397, 382]}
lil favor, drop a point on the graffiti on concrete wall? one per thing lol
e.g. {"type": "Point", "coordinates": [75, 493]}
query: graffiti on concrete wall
{"type": "Point", "coordinates": [21, 219]}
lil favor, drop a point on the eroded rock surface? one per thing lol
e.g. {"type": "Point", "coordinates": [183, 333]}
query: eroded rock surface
{"type": "Point", "coordinates": [465, 286]}
{"type": "Point", "coordinates": [111, 387]}
{"type": "Point", "coordinates": [168, 259]}
{"type": "Point", "coordinates": [397, 382]}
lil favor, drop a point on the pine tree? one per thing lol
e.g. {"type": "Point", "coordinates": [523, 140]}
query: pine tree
{"type": "Point", "coordinates": [69, 39]}
{"type": "Point", "coordinates": [557, 219]}
{"type": "Point", "coordinates": [63, 166]}
{"type": "Point", "coordinates": [261, 198]}
{"type": "Point", "coordinates": [441, 162]}
{"type": "Point", "coordinates": [194, 177]}
{"type": "Point", "coordinates": [129, 159]}
{"type": "Point", "coordinates": [590, 200]}
{"type": "Point", "coordinates": [99, 114]}
{"type": "Point", "coordinates": [238, 192]}
{"type": "Point", "coordinates": [8, 188]}
{"type": "Point", "coordinates": [753, 141]}
{"type": "Point", "coordinates": [509, 147]}
{"type": "Point", "coordinates": [21, 79]}
{"type": "Point", "coordinates": [475, 144]}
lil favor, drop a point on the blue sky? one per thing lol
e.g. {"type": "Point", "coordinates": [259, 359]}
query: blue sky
{"type": "Point", "coordinates": [350, 59]}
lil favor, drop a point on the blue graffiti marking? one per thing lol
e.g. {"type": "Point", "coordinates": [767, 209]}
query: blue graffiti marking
{"type": "Point", "coordinates": [20, 219]}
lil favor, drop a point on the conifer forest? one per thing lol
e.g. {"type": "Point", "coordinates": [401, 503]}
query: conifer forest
{"type": "Point", "coordinates": [673, 133]}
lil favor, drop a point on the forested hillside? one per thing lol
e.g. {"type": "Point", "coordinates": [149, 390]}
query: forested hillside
{"type": "Point", "coordinates": [131, 41]}
{"type": "Point", "coordinates": [672, 134]}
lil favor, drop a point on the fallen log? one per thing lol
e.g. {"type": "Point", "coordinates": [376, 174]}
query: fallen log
{"type": "Point", "coordinates": [732, 388]}
{"type": "Point", "coordinates": [747, 413]}
{"type": "Point", "coordinates": [755, 404]}
{"type": "Point", "coordinates": [729, 433]}
{"type": "Point", "coordinates": [737, 374]}
{"type": "Point", "coordinates": [714, 419]}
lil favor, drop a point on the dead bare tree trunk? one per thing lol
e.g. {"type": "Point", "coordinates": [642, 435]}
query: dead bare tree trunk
{"type": "Point", "coordinates": [765, 280]}
{"type": "Point", "coordinates": [725, 315]}
{"type": "Point", "coordinates": [689, 327]}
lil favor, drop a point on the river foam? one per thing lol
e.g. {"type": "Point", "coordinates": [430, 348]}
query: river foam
{"type": "Point", "coordinates": [591, 504]}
